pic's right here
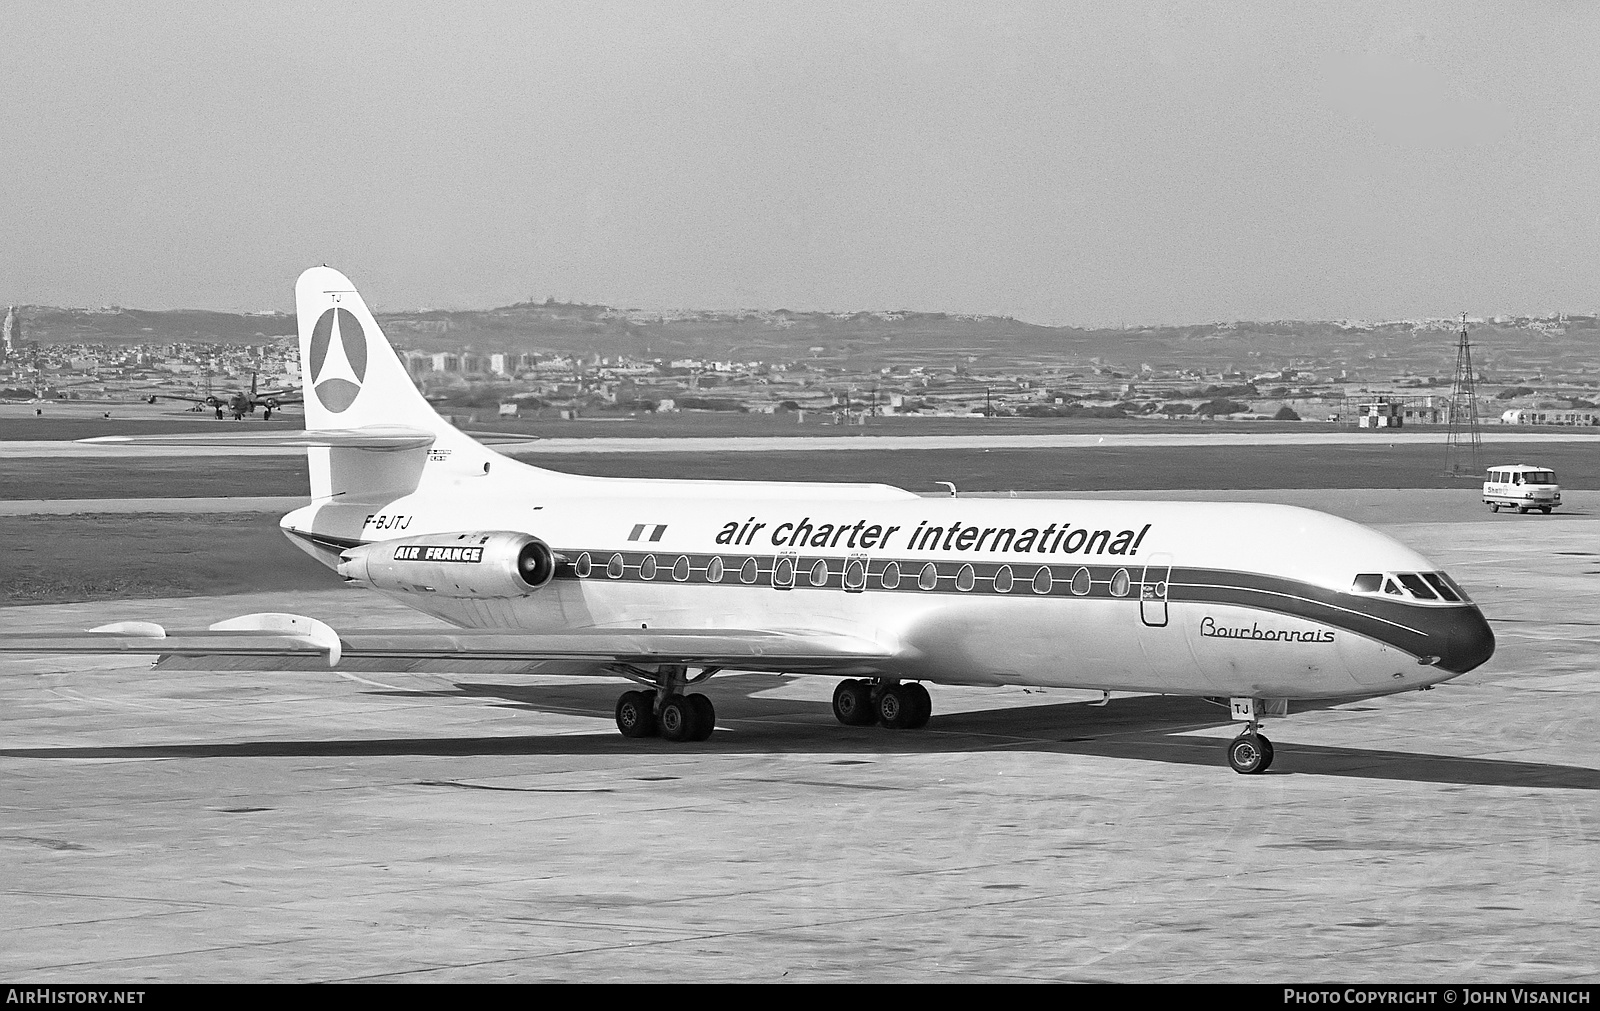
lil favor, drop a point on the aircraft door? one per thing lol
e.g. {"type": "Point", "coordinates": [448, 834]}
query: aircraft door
{"type": "Point", "coordinates": [855, 574]}
{"type": "Point", "coordinates": [1153, 590]}
{"type": "Point", "coordinates": [783, 569]}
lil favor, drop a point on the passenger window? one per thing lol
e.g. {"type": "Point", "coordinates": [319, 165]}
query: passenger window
{"type": "Point", "coordinates": [929, 578]}
{"type": "Point", "coordinates": [583, 566]}
{"type": "Point", "coordinates": [1042, 580]}
{"type": "Point", "coordinates": [1418, 588]}
{"type": "Point", "coordinates": [714, 570]}
{"type": "Point", "coordinates": [783, 572]}
{"type": "Point", "coordinates": [680, 568]}
{"type": "Point", "coordinates": [750, 571]}
{"type": "Point", "coordinates": [890, 576]}
{"type": "Point", "coordinates": [1440, 586]}
{"type": "Point", "coordinates": [614, 567]}
{"type": "Point", "coordinates": [1368, 582]}
{"type": "Point", "coordinates": [855, 575]}
{"type": "Point", "coordinates": [647, 567]}
{"type": "Point", "coordinates": [819, 573]}
{"type": "Point", "coordinates": [1081, 583]}
{"type": "Point", "coordinates": [1120, 583]}
{"type": "Point", "coordinates": [966, 578]}
{"type": "Point", "coordinates": [1002, 579]}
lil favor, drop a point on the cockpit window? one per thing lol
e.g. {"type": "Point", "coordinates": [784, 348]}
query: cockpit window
{"type": "Point", "coordinates": [1440, 586]}
{"type": "Point", "coordinates": [1433, 587]}
{"type": "Point", "coordinates": [1418, 588]}
{"type": "Point", "coordinates": [1462, 594]}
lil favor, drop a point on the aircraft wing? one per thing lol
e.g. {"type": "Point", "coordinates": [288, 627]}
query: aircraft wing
{"type": "Point", "coordinates": [263, 641]}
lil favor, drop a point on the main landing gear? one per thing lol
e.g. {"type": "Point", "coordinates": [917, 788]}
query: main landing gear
{"type": "Point", "coordinates": [1250, 753]}
{"type": "Point", "coordinates": [669, 710]}
{"type": "Point", "coordinates": [895, 705]}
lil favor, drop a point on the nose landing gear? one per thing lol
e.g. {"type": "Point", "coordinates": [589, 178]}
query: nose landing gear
{"type": "Point", "coordinates": [1250, 754]}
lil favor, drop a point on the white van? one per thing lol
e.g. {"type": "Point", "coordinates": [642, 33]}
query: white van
{"type": "Point", "coordinates": [1520, 487]}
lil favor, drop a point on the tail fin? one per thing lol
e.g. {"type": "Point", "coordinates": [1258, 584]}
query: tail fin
{"type": "Point", "coordinates": [353, 379]}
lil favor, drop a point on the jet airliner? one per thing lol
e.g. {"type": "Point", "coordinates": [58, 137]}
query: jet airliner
{"type": "Point", "coordinates": [668, 582]}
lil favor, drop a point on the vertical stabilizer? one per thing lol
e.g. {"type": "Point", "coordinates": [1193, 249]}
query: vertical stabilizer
{"type": "Point", "coordinates": [354, 379]}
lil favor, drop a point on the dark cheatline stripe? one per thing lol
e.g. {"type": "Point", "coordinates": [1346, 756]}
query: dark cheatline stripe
{"type": "Point", "coordinates": [1456, 633]}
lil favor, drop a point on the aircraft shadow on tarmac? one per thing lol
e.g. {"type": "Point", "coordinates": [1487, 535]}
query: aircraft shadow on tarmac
{"type": "Point", "coordinates": [1142, 728]}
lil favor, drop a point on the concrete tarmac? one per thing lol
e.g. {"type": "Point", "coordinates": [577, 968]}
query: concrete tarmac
{"type": "Point", "coordinates": [190, 826]}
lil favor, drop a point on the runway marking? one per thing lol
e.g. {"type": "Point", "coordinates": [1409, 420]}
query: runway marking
{"type": "Point", "coordinates": [379, 684]}
{"type": "Point", "coordinates": [72, 695]}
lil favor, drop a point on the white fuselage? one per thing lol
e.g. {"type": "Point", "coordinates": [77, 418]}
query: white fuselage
{"type": "Point", "coordinates": [1178, 598]}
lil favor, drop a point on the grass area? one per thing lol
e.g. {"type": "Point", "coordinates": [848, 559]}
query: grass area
{"type": "Point", "coordinates": [26, 428]}
{"type": "Point", "coordinates": [152, 477]}
{"type": "Point", "coordinates": [1373, 465]}
{"type": "Point", "coordinates": [53, 559]}
{"type": "Point", "coordinates": [49, 559]}
{"type": "Point", "coordinates": [1094, 469]}
{"type": "Point", "coordinates": [691, 424]}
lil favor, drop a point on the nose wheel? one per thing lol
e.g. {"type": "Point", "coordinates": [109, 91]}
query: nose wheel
{"type": "Point", "coordinates": [1250, 754]}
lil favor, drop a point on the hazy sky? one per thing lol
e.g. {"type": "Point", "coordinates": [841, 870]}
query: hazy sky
{"type": "Point", "coordinates": [1067, 163]}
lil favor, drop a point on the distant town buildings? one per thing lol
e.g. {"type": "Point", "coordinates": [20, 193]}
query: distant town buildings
{"type": "Point", "coordinates": [1520, 416]}
{"type": "Point", "coordinates": [1349, 374]}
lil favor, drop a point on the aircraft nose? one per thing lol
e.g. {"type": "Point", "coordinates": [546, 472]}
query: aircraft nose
{"type": "Point", "coordinates": [1466, 639]}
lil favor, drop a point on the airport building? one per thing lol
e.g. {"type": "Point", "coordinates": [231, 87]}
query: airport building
{"type": "Point", "coordinates": [1521, 416]}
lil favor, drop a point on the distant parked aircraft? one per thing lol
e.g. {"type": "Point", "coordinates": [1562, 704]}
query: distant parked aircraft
{"type": "Point", "coordinates": [243, 402]}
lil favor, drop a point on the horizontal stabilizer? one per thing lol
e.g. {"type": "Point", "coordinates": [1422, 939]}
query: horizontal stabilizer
{"type": "Point", "coordinates": [375, 437]}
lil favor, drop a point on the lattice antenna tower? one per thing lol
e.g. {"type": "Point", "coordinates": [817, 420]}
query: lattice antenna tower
{"type": "Point", "coordinates": [1464, 449]}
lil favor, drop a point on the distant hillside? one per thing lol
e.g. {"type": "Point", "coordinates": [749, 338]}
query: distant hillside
{"type": "Point", "coordinates": [865, 340]}
{"type": "Point", "coordinates": [115, 325]}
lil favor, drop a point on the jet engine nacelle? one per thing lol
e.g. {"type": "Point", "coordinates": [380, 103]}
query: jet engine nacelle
{"type": "Point", "coordinates": [477, 564]}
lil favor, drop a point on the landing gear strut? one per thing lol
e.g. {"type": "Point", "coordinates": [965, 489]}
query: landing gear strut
{"type": "Point", "coordinates": [1250, 753]}
{"type": "Point", "coordinates": [668, 710]}
{"type": "Point", "coordinates": [896, 705]}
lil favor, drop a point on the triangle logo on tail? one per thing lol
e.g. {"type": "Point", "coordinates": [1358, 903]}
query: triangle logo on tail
{"type": "Point", "coordinates": [338, 359]}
